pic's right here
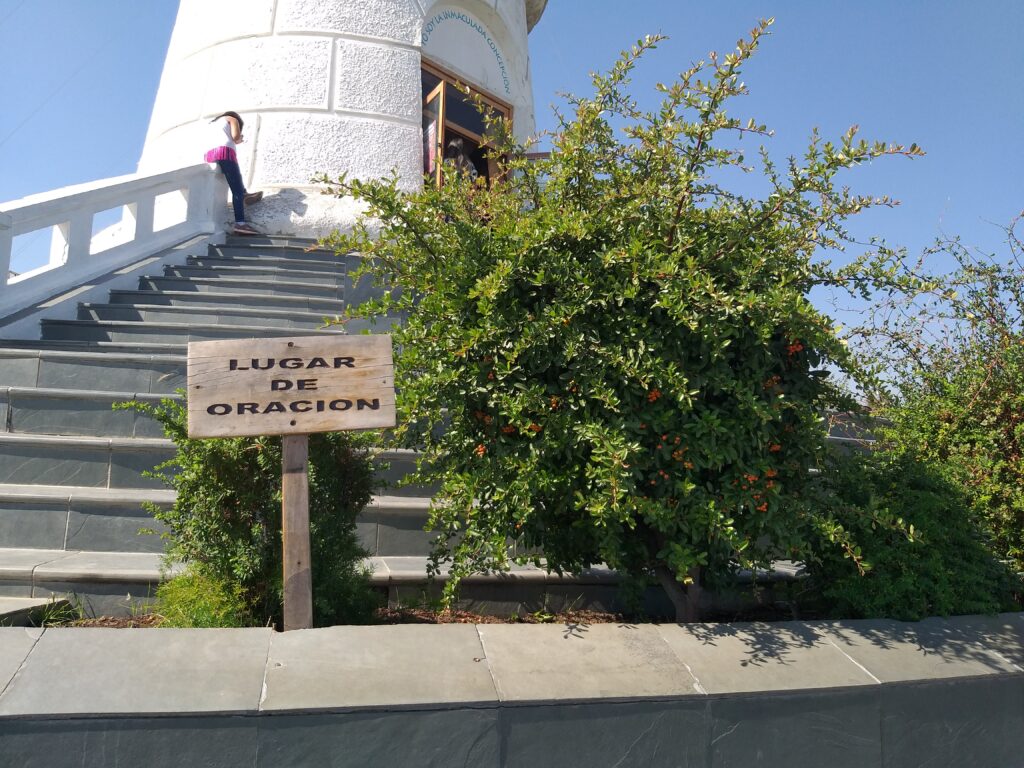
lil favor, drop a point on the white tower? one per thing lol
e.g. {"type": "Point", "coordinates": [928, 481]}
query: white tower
{"type": "Point", "coordinates": [361, 87]}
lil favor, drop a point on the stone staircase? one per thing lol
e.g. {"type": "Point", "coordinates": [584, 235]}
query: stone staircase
{"type": "Point", "coordinates": [72, 469]}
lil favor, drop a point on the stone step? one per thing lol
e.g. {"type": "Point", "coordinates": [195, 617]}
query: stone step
{"type": "Point", "coordinates": [207, 299]}
{"type": "Point", "coordinates": [202, 315]}
{"type": "Point", "coordinates": [169, 333]}
{"type": "Point", "coordinates": [262, 242]}
{"type": "Point", "coordinates": [81, 518]}
{"type": "Point", "coordinates": [119, 462]}
{"type": "Point", "coordinates": [96, 462]}
{"type": "Point", "coordinates": [54, 411]}
{"type": "Point", "coordinates": [117, 583]}
{"type": "Point", "coordinates": [394, 465]}
{"type": "Point", "coordinates": [89, 369]}
{"type": "Point", "coordinates": [279, 252]}
{"type": "Point", "coordinates": [29, 611]}
{"type": "Point", "coordinates": [100, 519]}
{"type": "Point", "coordinates": [337, 265]}
{"type": "Point", "coordinates": [249, 286]}
{"type": "Point", "coordinates": [393, 526]}
{"type": "Point", "coordinates": [244, 272]}
{"type": "Point", "coordinates": [101, 347]}
{"type": "Point", "coordinates": [97, 583]}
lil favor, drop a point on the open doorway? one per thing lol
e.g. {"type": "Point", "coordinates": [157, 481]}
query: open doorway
{"type": "Point", "coordinates": [452, 126]}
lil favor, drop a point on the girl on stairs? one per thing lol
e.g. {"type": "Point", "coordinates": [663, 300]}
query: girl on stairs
{"type": "Point", "coordinates": [224, 135]}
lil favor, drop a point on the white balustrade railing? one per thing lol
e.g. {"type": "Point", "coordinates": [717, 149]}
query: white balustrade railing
{"type": "Point", "coordinates": [158, 211]}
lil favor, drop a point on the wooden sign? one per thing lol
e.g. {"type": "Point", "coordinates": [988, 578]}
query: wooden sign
{"type": "Point", "coordinates": [290, 386]}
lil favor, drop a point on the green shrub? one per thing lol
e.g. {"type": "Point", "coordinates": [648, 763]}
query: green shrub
{"type": "Point", "coordinates": [197, 598]}
{"type": "Point", "coordinates": [923, 552]}
{"type": "Point", "coordinates": [227, 517]}
{"type": "Point", "coordinates": [953, 393]}
{"type": "Point", "coordinates": [611, 357]}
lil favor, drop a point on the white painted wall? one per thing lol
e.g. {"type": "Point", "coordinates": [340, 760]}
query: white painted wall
{"type": "Point", "coordinates": [327, 86]}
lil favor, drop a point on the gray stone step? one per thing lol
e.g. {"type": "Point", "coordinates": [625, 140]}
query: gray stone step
{"type": "Point", "coordinates": [54, 411]}
{"type": "Point", "coordinates": [244, 272]}
{"type": "Point", "coordinates": [164, 332]}
{"type": "Point", "coordinates": [208, 315]}
{"type": "Point", "coordinates": [100, 519]}
{"type": "Point", "coordinates": [96, 462]}
{"type": "Point", "coordinates": [97, 583]}
{"type": "Point", "coordinates": [392, 466]}
{"type": "Point", "coordinates": [205, 300]}
{"type": "Point", "coordinates": [117, 583]}
{"type": "Point", "coordinates": [80, 518]}
{"type": "Point", "coordinates": [29, 611]}
{"type": "Point", "coordinates": [89, 369]}
{"type": "Point", "coordinates": [117, 461]}
{"type": "Point", "coordinates": [249, 286]}
{"type": "Point", "coordinates": [338, 266]}
{"type": "Point", "coordinates": [116, 348]}
{"type": "Point", "coordinates": [279, 252]}
{"type": "Point", "coordinates": [295, 322]}
{"type": "Point", "coordinates": [261, 242]}
{"type": "Point", "coordinates": [393, 526]}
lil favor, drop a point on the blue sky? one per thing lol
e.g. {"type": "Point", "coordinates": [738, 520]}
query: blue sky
{"type": "Point", "coordinates": [80, 77]}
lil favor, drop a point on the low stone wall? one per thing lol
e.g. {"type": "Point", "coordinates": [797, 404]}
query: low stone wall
{"type": "Point", "coordinates": [859, 693]}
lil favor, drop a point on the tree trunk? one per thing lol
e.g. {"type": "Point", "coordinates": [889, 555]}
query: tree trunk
{"type": "Point", "coordinates": [685, 599]}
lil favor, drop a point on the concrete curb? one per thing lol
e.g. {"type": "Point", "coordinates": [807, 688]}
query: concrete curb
{"type": "Point", "coordinates": [950, 691]}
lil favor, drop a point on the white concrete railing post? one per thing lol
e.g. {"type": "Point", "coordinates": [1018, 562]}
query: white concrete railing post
{"type": "Point", "coordinates": [202, 200]}
{"type": "Point", "coordinates": [142, 211]}
{"type": "Point", "coordinates": [6, 238]}
{"type": "Point", "coordinates": [79, 236]}
{"type": "Point", "coordinates": [76, 254]}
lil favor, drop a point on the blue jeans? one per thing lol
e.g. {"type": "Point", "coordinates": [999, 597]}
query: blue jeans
{"type": "Point", "coordinates": [233, 174]}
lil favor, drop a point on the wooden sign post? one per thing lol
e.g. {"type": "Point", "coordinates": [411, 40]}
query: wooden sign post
{"type": "Point", "coordinates": [291, 387]}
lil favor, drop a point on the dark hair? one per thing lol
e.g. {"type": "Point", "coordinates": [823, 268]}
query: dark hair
{"type": "Point", "coordinates": [230, 114]}
{"type": "Point", "coordinates": [456, 148]}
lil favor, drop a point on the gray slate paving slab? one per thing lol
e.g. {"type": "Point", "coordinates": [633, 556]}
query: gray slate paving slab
{"type": "Point", "coordinates": [893, 651]}
{"type": "Point", "coordinates": [33, 524]}
{"type": "Point", "coordinates": [51, 463]}
{"type": "Point", "coordinates": [18, 369]}
{"type": "Point", "coordinates": [15, 645]}
{"type": "Point", "coordinates": [728, 658]}
{"type": "Point", "coordinates": [384, 665]}
{"type": "Point", "coordinates": [45, 414]}
{"type": "Point", "coordinates": [112, 528]}
{"type": "Point", "coordinates": [15, 587]}
{"type": "Point", "coordinates": [547, 661]}
{"type": "Point", "coordinates": [140, 671]}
